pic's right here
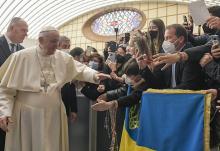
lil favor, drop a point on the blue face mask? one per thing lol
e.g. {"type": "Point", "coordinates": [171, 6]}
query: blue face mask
{"type": "Point", "coordinates": [94, 65]}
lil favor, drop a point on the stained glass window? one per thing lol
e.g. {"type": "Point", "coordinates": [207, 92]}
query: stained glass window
{"type": "Point", "coordinates": [125, 20]}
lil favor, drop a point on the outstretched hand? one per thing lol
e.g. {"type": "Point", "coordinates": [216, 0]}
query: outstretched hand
{"type": "Point", "coordinates": [166, 59]}
{"type": "Point", "coordinates": [102, 105]}
{"type": "Point", "coordinates": [102, 97]}
{"type": "Point", "coordinates": [205, 59]}
{"type": "Point", "coordinates": [102, 76]}
{"type": "Point", "coordinates": [143, 61]}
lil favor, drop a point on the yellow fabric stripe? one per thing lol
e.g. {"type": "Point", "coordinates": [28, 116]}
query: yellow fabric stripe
{"type": "Point", "coordinates": [174, 91]}
{"type": "Point", "coordinates": [207, 112]}
{"type": "Point", "coordinates": [127, 144]}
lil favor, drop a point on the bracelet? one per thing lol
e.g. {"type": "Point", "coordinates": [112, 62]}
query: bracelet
{"type": "Point", "coordinates": [182, 55]}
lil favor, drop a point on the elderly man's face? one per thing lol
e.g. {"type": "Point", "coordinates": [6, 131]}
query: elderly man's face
{"type": "Point", "coordinates": [19, 31]}
{"type": "Point", "coordinates": [49, 42]}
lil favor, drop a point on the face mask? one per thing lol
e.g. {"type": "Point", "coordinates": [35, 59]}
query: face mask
{"type": "Point", "coordinates": [128, 81]}
{"type": "Point", "coordinates": [168, 47]}
{"type": "Point", "coordinates": [94, 65]}
{"type": "Point", "coordinates": [153, 34]}
{"type": "Point", "coordinates": [120, 59]}
{"type": "Point", "coordinates": [127, 56]}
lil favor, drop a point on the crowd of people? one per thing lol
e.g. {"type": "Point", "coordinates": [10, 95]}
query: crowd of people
{"type": "Point", "coordinates": [168, 57]}
{"type": "Point", "coordinates": [35, 81]}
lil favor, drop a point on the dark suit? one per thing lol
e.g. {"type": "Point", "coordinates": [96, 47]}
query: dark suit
{"type": "Point", "coordinates": [4, 49]}
{"type": "Point", "coordinates": [68, 93]}
{"type": "Point", "coordinates": [188, 75]}
{"type": "Point", "coordinates": [4, 54]}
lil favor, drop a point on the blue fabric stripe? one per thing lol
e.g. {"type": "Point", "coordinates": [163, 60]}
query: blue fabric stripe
{"type": "Point", "coordinates": [171, 122]}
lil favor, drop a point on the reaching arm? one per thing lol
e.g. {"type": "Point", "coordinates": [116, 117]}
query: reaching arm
{"type": "Point", "coordinates": [81, 72]}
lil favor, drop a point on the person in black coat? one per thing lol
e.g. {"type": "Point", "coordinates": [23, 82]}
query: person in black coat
{"type": "Point", "coordinates": [10, 43]}
{"type": "Point", "coordinates": [68, 91]}
{"type": "Point", "coordinates": [90, 89]}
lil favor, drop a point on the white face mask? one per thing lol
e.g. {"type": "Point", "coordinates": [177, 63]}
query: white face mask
{"type": "Point", "coordinates": [168, 47]}
{"type": "Point", "coordinates": [128, 81]}
{"type": "Point", "coordinates": [94, 65]}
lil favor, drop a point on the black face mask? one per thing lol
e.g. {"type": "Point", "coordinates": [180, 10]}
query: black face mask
{"type": "Point", "coordinates": [208, 30]}
{"type": "Point", "coordinates": [120, 58]}
{"type": "Point", "coordinates": [127, 57]}
{"type": "Point", "coordinates": [153, 34]}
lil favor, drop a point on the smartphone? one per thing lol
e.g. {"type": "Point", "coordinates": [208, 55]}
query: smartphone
{"type": "Point", "coordinates": [111, 57]}
{"type": "Point", "coordinates": [215, 39]}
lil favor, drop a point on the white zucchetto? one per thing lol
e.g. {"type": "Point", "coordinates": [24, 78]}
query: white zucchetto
{"type": "Point", "coordinates": [48, 28]}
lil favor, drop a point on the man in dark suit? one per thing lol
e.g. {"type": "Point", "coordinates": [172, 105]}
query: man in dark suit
{"type": "Point", "coordinates": [10, 43]}
{"type": "Point", "coordinates": [181, 75]}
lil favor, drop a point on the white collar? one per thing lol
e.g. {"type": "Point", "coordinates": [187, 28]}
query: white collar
{"type": "Point", "coordinates": [182, 47]}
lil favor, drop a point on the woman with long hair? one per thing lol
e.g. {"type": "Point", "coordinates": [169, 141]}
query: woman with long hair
{"type": "Point", "coordinates": [156, 31]}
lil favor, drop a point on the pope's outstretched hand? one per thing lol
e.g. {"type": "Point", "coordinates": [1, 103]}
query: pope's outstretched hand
{"type": "Point", "coordinates": [102, 76]}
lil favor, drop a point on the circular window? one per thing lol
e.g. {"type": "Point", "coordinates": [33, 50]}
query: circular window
{"type": "Point", "coordinates": [103, 26]}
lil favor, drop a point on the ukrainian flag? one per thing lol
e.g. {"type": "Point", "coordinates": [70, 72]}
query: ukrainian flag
{"type": "Point", "coordinates": [168, 120]}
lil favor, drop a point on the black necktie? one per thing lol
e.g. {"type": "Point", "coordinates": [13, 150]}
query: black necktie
{"type": "Point", "coordinates": [13, 48]}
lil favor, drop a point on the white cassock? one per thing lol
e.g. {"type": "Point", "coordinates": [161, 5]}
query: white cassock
{"type": "Point", "coordinates": [39, 117]}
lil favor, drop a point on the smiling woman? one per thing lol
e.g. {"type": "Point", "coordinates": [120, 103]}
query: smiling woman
{"type": "Point", "coordinates": [104, 25]}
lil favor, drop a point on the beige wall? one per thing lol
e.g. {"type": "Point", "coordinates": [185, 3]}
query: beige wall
{"type": "Point", "coordinates": [29, 42]}
{"type": "Point", "coordinates": [169, 12]}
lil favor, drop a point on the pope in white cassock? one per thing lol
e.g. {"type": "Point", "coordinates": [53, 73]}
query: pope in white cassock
{"type": "Point", "coordinates": [31, 109]}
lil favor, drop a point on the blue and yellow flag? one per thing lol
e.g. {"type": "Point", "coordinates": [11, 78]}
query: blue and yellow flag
{"type": "Point", "coordinates": [168, 120]}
